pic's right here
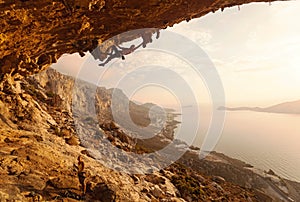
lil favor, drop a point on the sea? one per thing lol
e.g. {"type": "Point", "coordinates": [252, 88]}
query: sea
{"type": "Point", "coordinates": [264, 140]}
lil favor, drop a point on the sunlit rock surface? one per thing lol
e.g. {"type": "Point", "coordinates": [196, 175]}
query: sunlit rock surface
{"type": "Point", "coordinates": [39, 145]}
{"type": "Point", "coordinates": [39, 150]}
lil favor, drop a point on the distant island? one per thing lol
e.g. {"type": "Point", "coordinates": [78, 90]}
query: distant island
{"type": "Point", "coordinates": [284, 108]}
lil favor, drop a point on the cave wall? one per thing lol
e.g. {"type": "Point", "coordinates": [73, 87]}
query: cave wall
{"type": "Point", "coordinates": [34, 34]}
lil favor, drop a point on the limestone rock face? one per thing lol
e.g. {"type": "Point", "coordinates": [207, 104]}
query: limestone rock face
{"type": "Point", "coordinates": [39, 162]}
{"type": "Point", "coordinates": [34, 34]}
{"type": "Point", "coordinates": [39, 145]}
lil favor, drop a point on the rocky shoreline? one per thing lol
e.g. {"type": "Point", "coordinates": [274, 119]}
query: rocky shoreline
{"type": "Point", "coordinates": [42, 157]}
{"type": "Point", "coordinates": [245, 175]}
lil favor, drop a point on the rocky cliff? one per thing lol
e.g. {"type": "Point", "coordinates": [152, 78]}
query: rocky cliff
{"type": "Point", "coordinates": [43, 159]}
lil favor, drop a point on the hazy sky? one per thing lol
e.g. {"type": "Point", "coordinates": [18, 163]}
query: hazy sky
{"type": "Point", "coordinates": [255, 50]}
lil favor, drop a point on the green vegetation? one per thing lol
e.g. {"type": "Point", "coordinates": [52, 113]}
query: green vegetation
{"type": "Point", "coordinates": [50, 94]}
{"type": "Point", "coordinates": [188, 186]}
{"type": "Point", "coordinates": [89, 120]}
{"type": "Point", "coordinates": [140, 149]}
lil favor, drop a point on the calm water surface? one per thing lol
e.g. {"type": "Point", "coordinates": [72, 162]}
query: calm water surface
{"type": "Point", "coordinates": [265, 140]}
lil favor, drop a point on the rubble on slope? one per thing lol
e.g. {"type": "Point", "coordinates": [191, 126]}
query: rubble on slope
{"type": "Point", "coordinates": [37, 163]}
